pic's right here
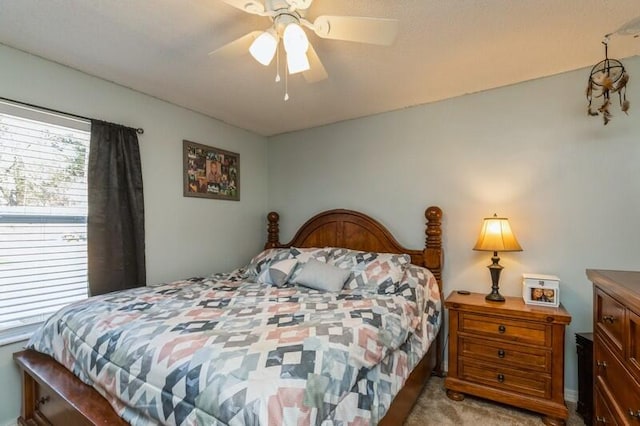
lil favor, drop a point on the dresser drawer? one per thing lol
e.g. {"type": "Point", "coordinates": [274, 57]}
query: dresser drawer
{"type": "Point", "coordinates": [632, 357]}
{"type": "Point", "coordinates": [603, 414]}
{"type": "Point", "coordinates": [507, 329]}
{"type": "Point", "coordinates": [499, 377]}
{"type": "Point", "coordinates": [609, 318]}
{"type": "Point", "coordinates": [611, 375]}
{"type": "Point", "coordinates": [506, 354]}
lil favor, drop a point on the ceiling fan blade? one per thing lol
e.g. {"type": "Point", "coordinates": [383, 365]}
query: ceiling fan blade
{"type": "Point", "coordinates": [236, 48]}
{"type": "Point", "coordinates": [317, 71]}
{"type": "Point", "coordinates": [629, 28]}
{"type": "Point", "coordinates": [380, 31]}
{"type": "Point", "coordinates": [250, 6]}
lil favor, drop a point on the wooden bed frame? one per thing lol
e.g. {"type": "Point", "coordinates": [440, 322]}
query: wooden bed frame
{"type": "Point", "coordinates": [52, 395]}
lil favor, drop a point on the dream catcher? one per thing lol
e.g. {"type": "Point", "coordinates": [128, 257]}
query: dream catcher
{"type": "Point", "coordinates": [608, 78]}
{"type": "Point", "coordinates": [607, 81]}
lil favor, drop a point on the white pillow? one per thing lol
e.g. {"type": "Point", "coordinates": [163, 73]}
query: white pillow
{"type": "Point", "coordinates": [321, 276]}
{"type": "Point", "coordinates": [278, 273]}
{"type": "Point", "coordinates": [264, 259]}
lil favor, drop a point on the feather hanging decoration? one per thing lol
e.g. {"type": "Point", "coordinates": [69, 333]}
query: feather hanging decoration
{"type": "Point", "coordinates": [625, 106]}
{"type": "Point", "coordinates": [607, 77]}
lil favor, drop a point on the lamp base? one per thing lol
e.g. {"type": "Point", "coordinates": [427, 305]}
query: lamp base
{"type": "Point", "coordinates": [495, 268]}
{"type": "Point", "coordinates": [494, 297]}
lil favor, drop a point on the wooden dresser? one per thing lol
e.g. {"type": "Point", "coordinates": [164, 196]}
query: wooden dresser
{"type": "Point", "coordinates": [616, 346]}
{"type": "Point", "coordinates": [508, 352]}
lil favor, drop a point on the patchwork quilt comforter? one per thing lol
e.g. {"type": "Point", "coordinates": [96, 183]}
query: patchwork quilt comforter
{"type": "Point", "coordinates": [225, 351]}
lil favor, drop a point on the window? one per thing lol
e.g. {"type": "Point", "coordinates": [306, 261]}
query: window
{"type": "Point", "coordinates": [43, 216]}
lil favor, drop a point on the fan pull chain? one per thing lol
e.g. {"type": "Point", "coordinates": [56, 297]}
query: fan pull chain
{"type": "Point", "coordinates": [286, 85]}
{"type": "Point", "coordinates": [277, 64]}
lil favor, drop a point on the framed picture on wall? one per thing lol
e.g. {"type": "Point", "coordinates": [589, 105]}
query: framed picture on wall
{"type": "Point", "coordinates": [210, 172]}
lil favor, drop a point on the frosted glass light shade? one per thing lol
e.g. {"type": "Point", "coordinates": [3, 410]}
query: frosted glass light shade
{"type": "Point", "coordinates": [297, 62]}
{"type": "Point", "coordinates": [295, 39]}
{"type": "Point", "coordinates": [263, 48]}
{"type": "Point", "coordinates": [496, 235]}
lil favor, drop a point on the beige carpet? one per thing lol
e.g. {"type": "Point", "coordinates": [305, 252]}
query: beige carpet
{"type": "Point", "coordinates": [433, 408]}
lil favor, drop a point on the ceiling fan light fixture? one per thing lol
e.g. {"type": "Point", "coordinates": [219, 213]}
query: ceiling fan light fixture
{"type": "Point", "coordinates": [295, 40]}
{"type": "Point", "coordinates": [297, 62]}
{"type": "Point", "coordinates": [263, 48]}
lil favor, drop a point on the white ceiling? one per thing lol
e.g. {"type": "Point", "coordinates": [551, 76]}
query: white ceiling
{"type": "Point", "coordinates": [444, 49]}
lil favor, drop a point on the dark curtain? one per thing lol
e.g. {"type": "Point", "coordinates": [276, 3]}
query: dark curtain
{"type": "Point", "coordinates": [115, 225]}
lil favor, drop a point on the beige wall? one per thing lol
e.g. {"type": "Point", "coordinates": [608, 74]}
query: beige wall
{"type": "Point", "coordinates": [184, 236]}
{"type": "Point", "coordinates": [570, 186]}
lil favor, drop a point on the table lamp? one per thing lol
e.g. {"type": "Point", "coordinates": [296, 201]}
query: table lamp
{"type": "Point", "coordinates": [495, 236]}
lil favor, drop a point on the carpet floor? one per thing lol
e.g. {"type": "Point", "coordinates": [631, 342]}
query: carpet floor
{"type": "Point", "coordinates": [433, 408]}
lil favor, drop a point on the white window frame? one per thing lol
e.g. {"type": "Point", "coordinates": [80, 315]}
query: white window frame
{"type": "Point", "coordinates": [23, 332]}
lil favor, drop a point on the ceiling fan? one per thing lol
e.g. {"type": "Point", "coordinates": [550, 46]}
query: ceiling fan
{"type": "Point", "coordinates": [288, 19]}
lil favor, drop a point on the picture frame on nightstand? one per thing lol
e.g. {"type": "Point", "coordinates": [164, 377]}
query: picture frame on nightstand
{"type": "Point", "coordinates": [542, 290]}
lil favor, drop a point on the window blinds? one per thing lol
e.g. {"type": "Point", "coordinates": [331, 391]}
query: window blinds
{"type": "Point", "coordinates": [43, 210]}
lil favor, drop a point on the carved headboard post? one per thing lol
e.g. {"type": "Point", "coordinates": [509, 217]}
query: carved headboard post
{"type": "Point", "coordinates": [433, 259]}
{"type": "Point", "coordinates": [273, 238]}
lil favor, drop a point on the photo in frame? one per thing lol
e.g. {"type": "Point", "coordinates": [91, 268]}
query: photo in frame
{"type": "Point", "coordinates": [210, 172]}
{"type": "Point", "coordinates": [543, 290]}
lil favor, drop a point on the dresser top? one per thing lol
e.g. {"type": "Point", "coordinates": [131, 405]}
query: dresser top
{"type": "Point", "coordinates": [512, 306]}
{"type": "Point", "coordinates": [625, 285]}
{"type": "Point", "coordinates": [627, 279]}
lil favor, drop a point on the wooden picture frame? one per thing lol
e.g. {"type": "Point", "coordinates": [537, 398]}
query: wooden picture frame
{"type": "Point", "coordinates": [210, 172]}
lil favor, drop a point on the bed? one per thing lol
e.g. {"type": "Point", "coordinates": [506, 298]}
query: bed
{"type": "Point", "coordinates": [374, 376]}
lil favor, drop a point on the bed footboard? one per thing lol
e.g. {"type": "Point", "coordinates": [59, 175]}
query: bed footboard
{"type": "Point", "coordinates": [51, 395]}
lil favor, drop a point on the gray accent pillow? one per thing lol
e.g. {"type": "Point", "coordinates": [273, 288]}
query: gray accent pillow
{"type": "Point", "coordinates": [321, 276]}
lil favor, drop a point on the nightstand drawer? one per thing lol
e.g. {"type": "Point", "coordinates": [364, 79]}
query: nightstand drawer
{"type": "Point", "coordinates": [522, 382]}
{"type": "Point", "coordinates": [519, 331]}
{"type": "Point", "coordinates": [609, 318]}
{"type": "Point", "coordinates": [503, 353]}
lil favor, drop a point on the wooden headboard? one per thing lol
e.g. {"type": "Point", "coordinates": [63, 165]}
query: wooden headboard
{"type": "Point", "coordinates": [357, 231]}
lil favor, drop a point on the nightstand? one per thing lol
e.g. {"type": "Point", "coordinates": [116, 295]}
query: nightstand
{"type": "Point", "coordinates": [584, 347]}
{"type": "Point", "coordinates": [508, 352]}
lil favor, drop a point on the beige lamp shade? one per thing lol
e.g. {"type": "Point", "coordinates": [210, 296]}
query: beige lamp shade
{"type": "Point", "coordinates": [496, 235]}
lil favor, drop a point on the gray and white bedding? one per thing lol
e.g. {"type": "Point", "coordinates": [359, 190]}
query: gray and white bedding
{"type": "Point", "coordinates": [231, 349]}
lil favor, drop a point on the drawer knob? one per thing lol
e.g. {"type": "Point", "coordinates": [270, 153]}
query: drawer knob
{"type": "Point", "coordinates": [634, 414]}
{"type": "Point", "coordinates": [608, 318]}
{"type": "Point", "coordinates": [501, 353]}
{"type": "Point", "coordinates": [602, 364]}
{"type": "Point", "coordinates": [502, 328]}
{"type": "Point", "coordinates": [43, 400]}
{"type": "Point", "coordinates": [600, 419]}
{"type": "Point", "coordinates": [501, 377]}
